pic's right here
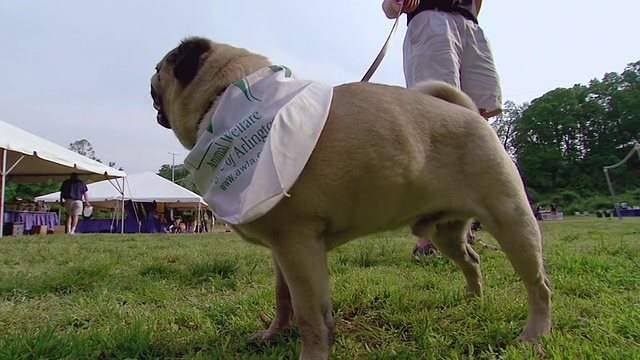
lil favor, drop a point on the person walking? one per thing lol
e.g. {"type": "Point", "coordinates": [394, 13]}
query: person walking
{"type": "Point", "coordinates": [444, 42]}
{"type": "Point", "coordinates": [71, 193]}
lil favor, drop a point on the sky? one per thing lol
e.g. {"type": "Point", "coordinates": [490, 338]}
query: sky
{"type": "Point", "coordinates": [78, 69]}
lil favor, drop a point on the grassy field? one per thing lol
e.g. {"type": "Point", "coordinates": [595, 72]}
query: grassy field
{"type": "Point", "coordinates": [104, 296]}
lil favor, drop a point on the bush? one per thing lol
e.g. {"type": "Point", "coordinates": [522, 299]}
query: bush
{"type": "Point", "coordinates": [631, 197]}
{"type": "Point", "coordinates": [569, 197]}
{"type": "Point", "coordinates": [600, 202]}
{"type": "Point", "coordinates": [533, 195]}
{"type": "Point", "coordinates": [573, 208]}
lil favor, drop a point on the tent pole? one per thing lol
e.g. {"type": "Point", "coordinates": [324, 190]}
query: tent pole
{"type": "Point", "coordinates": [135, 212]}
{"type": "Point", "coordinates": [199, 226]}
{"type": "Point", "coordinates": [613, 194]}
{"type": "Point", "coordinates": [3, 175]}
{"type": "Point", "coordinates": [3, 169]}
{"type": "Point", "coordinates": [122, 209]}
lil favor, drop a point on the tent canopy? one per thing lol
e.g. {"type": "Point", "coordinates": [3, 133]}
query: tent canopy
{"type": "Point", "coordinates": [30, 158]}
{"type": "Point", "coordinates": [141, 187]}
{"type": "Point", "coordinates": [25, 157]}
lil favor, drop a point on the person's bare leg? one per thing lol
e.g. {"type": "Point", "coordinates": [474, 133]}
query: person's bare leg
{"type": "Point", "coordinates": [74, 223]}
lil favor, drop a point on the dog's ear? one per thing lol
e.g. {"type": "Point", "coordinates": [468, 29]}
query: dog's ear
{"type": "Point", "coordinates": [188, 58]}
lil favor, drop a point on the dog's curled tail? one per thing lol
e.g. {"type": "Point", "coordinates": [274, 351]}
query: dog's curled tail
{"type": "Point", "coordinates": [446, 92]}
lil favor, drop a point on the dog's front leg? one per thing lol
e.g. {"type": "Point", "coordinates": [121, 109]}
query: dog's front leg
{"type": "Point", "coordinates": [303, 262]}
{"type": "Point", "coordinates": [284, 310]}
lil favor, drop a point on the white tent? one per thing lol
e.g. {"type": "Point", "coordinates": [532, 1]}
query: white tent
{"type": "Point", "coordinates": [25, 157]}
{"type": "Point", "coordinates": [29, 158]}
{"type": "Point", "coordinates": [141, 187]}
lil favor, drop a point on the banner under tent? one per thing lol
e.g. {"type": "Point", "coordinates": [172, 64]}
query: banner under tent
{"type": "Point", "coordinates": [144, 197]}
{"type": "Point", "coordinates": [27, 158]}
{"type": "Point", "coordinates": [618, 210]}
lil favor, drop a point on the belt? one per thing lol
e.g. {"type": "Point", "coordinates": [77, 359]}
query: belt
{"type": "Point", "coordinates": [456, 11]}
{"type": "Point", "coordinates": [466, 13]}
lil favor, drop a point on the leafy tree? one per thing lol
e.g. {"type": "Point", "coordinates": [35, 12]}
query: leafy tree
{"type": "Point", "coordinates": [113, 165]}
{"type": "Point", "coordinates": [84, 147]}
{"type": "Point", "coordinates": [564, 138]}
{"type": "Point", "coordinates": [188, 183]}
{"type": "Point", "coordinates": [547, 138]}
{"type": "Point", "coordinates": [167, 172]}
{"type": "Point", "coordinates": [182, 177]}
{"type": "Point", "coordinates": [505, 125]}
{"type": "Point", "coordinates": [30, 190]}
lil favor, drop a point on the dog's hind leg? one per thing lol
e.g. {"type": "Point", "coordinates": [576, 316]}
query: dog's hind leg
{"type": "Point", "coordinates": [450, 238]}
{"type": "Point", "coordinates": [303, 262]}
{"type": "Point", "coordinates": [515, 228]}
{"type": "Point", "coordinates": [284, 310]}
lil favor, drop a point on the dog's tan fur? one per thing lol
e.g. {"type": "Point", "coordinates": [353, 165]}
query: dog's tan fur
{"type": "Point", "coordinates": [387, 157]}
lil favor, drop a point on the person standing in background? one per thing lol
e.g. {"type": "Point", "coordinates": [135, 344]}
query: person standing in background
{"type": "Point", "coordinates": [71, 193]}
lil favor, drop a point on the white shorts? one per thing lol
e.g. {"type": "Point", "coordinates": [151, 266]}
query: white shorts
{"type": "Point", "coordinates": [445, 46]}
{"type": "Point", "coordinates": [73, 207]}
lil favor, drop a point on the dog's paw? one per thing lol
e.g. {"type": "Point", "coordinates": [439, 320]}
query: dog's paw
{"type": "Point", "coordinates": [273, 330]}
{"type": "Point", "coordinates": [264, 336]}
{"type": "Point", "coordinates": [270, 336]}
{"type": "Point", "coordinates": [535, 344]}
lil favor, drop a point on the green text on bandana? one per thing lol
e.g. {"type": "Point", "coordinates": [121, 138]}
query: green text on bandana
{"type": "Point", "coordinates": [262, 133]}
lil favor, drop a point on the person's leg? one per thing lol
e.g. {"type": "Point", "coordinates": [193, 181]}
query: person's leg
{"type": "Point", "coordinates": [424, 246]}
{"type": "Point", "coordinates": [74, 223]}
{"type": "Point", "coordinates": [479, 77]}
{"type": "Point", "coordinates": [432, 49]}
{"type": "Point", "coordinates": [68, 207]}
{"type": "Point", "coordinates": [76, 210]}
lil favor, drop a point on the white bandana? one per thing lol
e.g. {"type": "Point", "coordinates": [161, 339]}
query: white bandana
{"type": "Point", "coordinates": [260, 138]}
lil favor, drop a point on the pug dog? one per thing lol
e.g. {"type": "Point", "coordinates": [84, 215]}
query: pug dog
{"type": "Point", "coordinates": [387, 157]}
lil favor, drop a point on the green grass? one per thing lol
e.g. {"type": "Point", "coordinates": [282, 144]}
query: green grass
{"type": "Point", "coordinates": [102, 296]}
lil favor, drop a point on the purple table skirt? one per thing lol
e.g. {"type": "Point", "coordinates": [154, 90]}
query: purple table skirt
{"type": "Point", "coordinates": [113, 226]}
{"type": "Point", "coordinates": [32, 218]}
{"type": "Point", "coordinates": [629, 212]}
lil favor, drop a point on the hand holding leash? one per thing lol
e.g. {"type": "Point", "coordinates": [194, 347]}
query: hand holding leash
{"type": "Point", "coordinates": [396, 7]}
{"type": "Point", "coordinates": [406, 6]}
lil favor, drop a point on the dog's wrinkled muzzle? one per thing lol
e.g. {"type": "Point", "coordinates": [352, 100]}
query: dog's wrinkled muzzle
{"type": "Point", "coordinates": [157, 104]}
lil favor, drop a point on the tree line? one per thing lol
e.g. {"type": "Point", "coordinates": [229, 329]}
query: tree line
{"type": "Point", "coordinates": [562, 140]}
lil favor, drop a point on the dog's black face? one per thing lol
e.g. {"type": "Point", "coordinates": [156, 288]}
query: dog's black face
{"type": "Point", "coordinates": [181, 63]}
{"type": "Point", "coordinates": [161, 117]}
